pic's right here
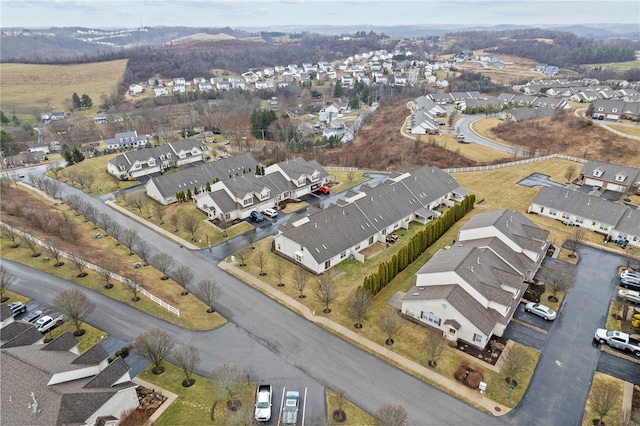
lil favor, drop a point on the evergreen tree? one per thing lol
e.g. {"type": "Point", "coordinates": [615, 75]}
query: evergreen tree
{"type": "Point", "coordinates": [76, 101]}
{"type": "Point", "coordinates": [86, 101]}
{"type": "Point", "coordinates": [338, 90]}
{"type": "Point", "coordinates": [3, 118]}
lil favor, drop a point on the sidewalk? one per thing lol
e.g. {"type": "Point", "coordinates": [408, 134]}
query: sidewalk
{"type": "Point", "coordinates": [451, 386]}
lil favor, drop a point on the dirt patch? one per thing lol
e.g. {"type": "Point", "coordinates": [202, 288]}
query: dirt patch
{"type": "Point", "coordinates": [489, 354]}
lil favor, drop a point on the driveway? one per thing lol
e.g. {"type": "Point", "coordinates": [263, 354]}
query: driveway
{"type": "Point", "coordinates": [560, 385]}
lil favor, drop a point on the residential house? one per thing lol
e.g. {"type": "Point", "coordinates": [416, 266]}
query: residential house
{"type": "Point", "coordinates": [155, 81]}
{"type": "Point", "coordinates": [423, 103]}
{"type": "Point", "coordinates": [126, 140]}
{"type": "Point", "coordinates": [24, 159]}
{"type": "Point", "coordinates": [38, 147]}
{"type": "Point", "coordinates": [612, 177]}
{"type": "Point", "coordinates": [164, 188]}
{"type": "Point", "coordinates": [613, 220]}
{"type": "Point", "coordinates": [337, 128]}
{"type": "Point", "coordinates": [160, 91]}
{"type": "Point", "coordinates": [57, 116]}
{"type": "Point", "coordinates": [237, 196]}
{"type": "Point", "coordinates": [325, 237]}
{"type": "Point", "coordinates": [143, 162]}
{"type": "Point", "coordinates": [472, 105]}
{"type": "Point", "coordinates": [523, 114]}
{"type": "Point", "coordinates": [471, 290]}
{"type": "Point", "coordinates": [441, 98]}
{"type": "Point", "coordinates": [54, 384]}
{"type": "Point", "coordinates": [205, 87]}
{"type": "Point", "coordinates": [134, 89]}
{"type": "Point", "coordinates": [178, 88]}
{"type": "Point", "coordinates": [179, 81]}
{"type": "Point", "coordinates": [423, 123]}
{"type": "Point", "coordinates": [100, 119]}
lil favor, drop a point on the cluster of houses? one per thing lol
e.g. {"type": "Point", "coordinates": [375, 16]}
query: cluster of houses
{"type": "Point", "coordinates": [550, 70]}
{"type": "Point", "coordinates": [584, 90]}
{"type": "Point", "coordinates": [52, 383]}
{"type": "Point", "coordinates": [614, 220]}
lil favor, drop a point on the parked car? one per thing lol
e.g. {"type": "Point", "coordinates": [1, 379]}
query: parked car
{"type": "Point", "coordinates": [618, 340]}
{"type": "Point", "coordinates": [49, 322]}
{"type": "Point", "coordinates": [596, 188]}
{"type": "Point", "coordinates": [18, 307]}
{"type": "Point", "coordinates": [270, 212]}
{"type": "Point", "coordinates": [290, 410]}
{"type": "Point", "coordinates": [255, 215]}
{"type": "Point", "coordinates": [629, 273]}
{"type": "Point", "coordinates": [632, 283]}
{"type": "Point", "coordinates": [263, 403]}
{"type": "Point", "coordinates": [324, 189]}
{"type": "Point", "coordinates": [630, 295]}
{"type": "Point", "coordinates": [541, 310]}
{"type": "Point", "coordinates": [32, 317]}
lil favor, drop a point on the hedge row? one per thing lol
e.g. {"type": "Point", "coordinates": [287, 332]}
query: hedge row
{"type": "Point", "coordinates": [416, 246]}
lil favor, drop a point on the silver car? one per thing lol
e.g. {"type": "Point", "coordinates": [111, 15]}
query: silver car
{"type": "Point", "coordinates": [541, 310]}
{"type": "Point", "coordinates": [630, 295]}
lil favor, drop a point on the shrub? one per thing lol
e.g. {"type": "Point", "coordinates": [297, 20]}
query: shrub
{"type": "Point", "coordinates": [123, 352]}
{"type": "Point", "coordinates": [460, 373]}
{"type": "Point", "coordinates": [473, 379]}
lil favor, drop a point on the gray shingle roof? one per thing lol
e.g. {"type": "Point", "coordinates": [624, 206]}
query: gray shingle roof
{"type": "Point", "coordinates": [170, 184]}
{"type": "Point", "coordinates": [630, 222]}
{"type": "Point", "coordinates": [94, 355]}
{"type": "Point", "coordinates": [580, 204]}
{"type": "Point", "coordinates": [610, 171]}
{"type": "Point", "coordinates": [5, 312]}
{"type": "Point", "coordinates": [63, 342]}
{"type": "Point", "coordinates": [28, 336]}
{"type": "Point", "coordinates": [331, 231]}
{"type": "Point", "coordinates": [109, 376]}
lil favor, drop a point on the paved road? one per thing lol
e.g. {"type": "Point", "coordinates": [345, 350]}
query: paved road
{"type": "Point", "coordinates": [560, 385]}
{"type": "Point", "coordinates": [619, 367]}
{"type": "Point", "coordinates": [277, 344]}
{"type": "Point", "coordinates": [462, 127]}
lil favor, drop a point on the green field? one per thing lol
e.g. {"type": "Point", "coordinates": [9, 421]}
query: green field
{"type": "Point", "coordinates": [27, 88]}
{"type": "Point", "coordinates": [615, 66]}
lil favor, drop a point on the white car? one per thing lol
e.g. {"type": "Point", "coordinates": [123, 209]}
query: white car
{"type": "Point", "coordinates": [540, 310]}
{"type": "Point", "coordinates": [270, 212]}
{"type": "Point", "coordinates": [629, 273]}
{"type": "Point", "coordinates": [630, 295]}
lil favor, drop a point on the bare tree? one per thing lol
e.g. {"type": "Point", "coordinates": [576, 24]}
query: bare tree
{"type": "Point", "coordinates": [434, 343]}
{"type": "Point", "coordinates": [516, 360]}
{"type": "Point", "coordinates": [163, 262]}
{"type": "Point", "coordinates": [569, 172]}
{"type": "Point", "coordinates": [280, 272]}
{"type": "Point", "coordinates": [351, 176]}
{"type": "Point", "coordinates": [105, 222]}
{"type": "Point", "coordinates": [138, 200]}
{"type": "Point", "coordinates": [243, 416]}
{"type": "Point", "coordinates": [390, 323]}
{"type": "Point", "coordinates": [326, 292]}
{"type": "Point", "coordinates": [106, 276]}
{"type": "Point", "coordinates": [342, 416]}
{"type": "Point", "coordinates": [243, 254]}
{"type": "Point", "coordinates": [76, 306]}
{"type": "Point", "coordinates": [358, 305]}
{"type": "Point", "coordinates": [228, 381]}
{"type": "Point", "coordinates": [208, 291]}
{"type": "Point", "coordinates": [191, 223]}
{"type": "Point", "coordinates": [79, 265]}
{"type": "Point", "coordinates": [154, 345]}
{"type": "Point", "coordinates": [183, 276]}
{"type": "Point", "coordinates": [55, 252]}
{"type": "Point", "coordinates": [251, 235]}
{"type": "Point", "coordinates": [604, 397]}
{"type": "Point", "coordinates": [158, 211]}
{"type": "Point", "coordinates": [6, 280]}
{"type": "Point", "coordinates": [130, 239]}
{"type": "Point", "coordinates": [175, 221]}
{"type": "Point", "coordinates": [143, 249]}
{"type": "Point", "coordinates": [187, 358]}
{"type": "Point", "coordinates": [12, 236]}
{"type": "Point", "coordinates": [391, 415]}
{"type": "Point", "coordinates": [300, 277]}
{"type": "Point", "coordinates": [557, 281]}
{"type": "Point", "coordinates": [131, 284]}
{"type": "Point", "coordinates": [575, 240]}
{"type": "Point", "coordinates": [261, 261]}
{"type": "Point", "coordinates": [117, 232]}
{"type": "Point", "coordinates": [31, 245]}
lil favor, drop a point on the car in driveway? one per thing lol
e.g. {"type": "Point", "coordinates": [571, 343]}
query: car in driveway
{"type": "Point", "coordinates": [324, 189]}
{"type": "Point", "coordinates": [32, 317]}
{"type": "Point", "coordinates": [629, 295]}
{"type": "Point", "coordinates": [256, 216]}
{"type": "Point", "coordinates": [270, 212]}
{"type": "Point", "coordinates": [630, 273]}
{"type": "Point", "coordinates": [632, 283]}
{"type": "Point", "coordinates": [18, 307]}
{"type": "Point", "coordinates": [541, 310]}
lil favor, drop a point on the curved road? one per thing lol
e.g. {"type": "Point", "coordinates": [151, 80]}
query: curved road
{"type": "Point", "coordinates": [274, 342]}
{"type": "Point", "coordinates": [463, 128]}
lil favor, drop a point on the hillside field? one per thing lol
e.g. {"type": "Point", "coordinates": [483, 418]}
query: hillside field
{"type": "Point", "coordinates": [28, 87]}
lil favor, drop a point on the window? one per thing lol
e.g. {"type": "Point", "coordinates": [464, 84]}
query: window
{"type": "Point", "coordinates": [384, 231]}
{"type": "Point", "coordinates": [604, 227]}
{"type": "Point", "coordinates": [579, 220]}
{"type": "Point", "coordinates": [430, 317]}
{"type": "Point", "coordinates": [565, 216]}
{"type": "Point", "coordinates": [343, 255]}
{"type": "Point", "coordinates": [247, 202]}
{"type": "Point", "coordinates": [358, 246]}
{"type": "Point", "coordinates": [370, 240]}
{"type": "Point", "coordinates": [452, 331]}
{"type": "Point", "coordinates": [327, 264]}
{"type": "Point", "coordinates": [553, 212]}
{"type": "Point", "coordinates": [298, 258]}
{"type": "Point", "coordinates": [477, 338]}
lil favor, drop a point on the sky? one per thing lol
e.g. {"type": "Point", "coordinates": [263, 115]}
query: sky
{"type": "Point", "coordinates": [273, 13]}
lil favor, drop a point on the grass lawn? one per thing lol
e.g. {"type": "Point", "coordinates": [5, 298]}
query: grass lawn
{"type": "Point", "coordinates": [617, 66]}
{"type": "Point", "coordinates": [355, 415]}
{"type": "Point", "coordinates": [14, 297]}
{"type": "Point", "coordinates": [91, 337]}
{"type": "Point", "coordinates": [341, 180]}
{"type": "Point", "coordinates": [615, 414]}
{"type": "Point", "coordinates": [206, 231]}
{"type": "Point", "coordinates": [473, 151]}
{"type": "Point", "coordinates": [46, 87]}
{"type": "Point", "coordinates": [292, 207]}
{"type": "Point", "coordinates": [483, 126]}
{"type": "Point", "coordinates": [193, 405]}
{"type": "Point", "coordinates": [103, 183]}
{"type": "Point", "coordinates": [617, 307]}
{"type": "Point", "coordinates": [633, 131]}
{"type": "Point", "coordinates": [192, 312]}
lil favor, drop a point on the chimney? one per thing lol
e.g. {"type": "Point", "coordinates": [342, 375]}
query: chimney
{"type": "Point", "coordinates": [478, 260]}
{"type": "Point", "coordinates": [589, 201]}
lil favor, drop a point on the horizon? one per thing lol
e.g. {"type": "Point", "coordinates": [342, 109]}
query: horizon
{"type": "Point", "coordinates": [241, 14]}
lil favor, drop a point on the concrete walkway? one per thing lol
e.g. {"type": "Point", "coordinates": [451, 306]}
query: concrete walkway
{"type": "Point", "coordinates": [171, 397]}
{"type": "Point", "coordinates": [451, 386]}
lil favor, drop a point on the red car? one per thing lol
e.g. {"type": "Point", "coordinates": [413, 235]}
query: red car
{"type": "Point", "coordinates": [324, 189]}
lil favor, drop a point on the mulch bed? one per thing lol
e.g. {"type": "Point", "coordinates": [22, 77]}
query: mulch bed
{"type": "Point", "coordinates": [487, 355]}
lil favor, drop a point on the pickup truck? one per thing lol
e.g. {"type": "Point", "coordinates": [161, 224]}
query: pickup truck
{"type": "Point", "coordinates": [618, 340]}
{"type": "Point", "coordinates": [263, 403]}
{"type": "Point", "coordinates": [18, 307]}
{"type": "Point", "coordinates": [49, 322]}
{"type": "Point", "coordinates": [291, 404]}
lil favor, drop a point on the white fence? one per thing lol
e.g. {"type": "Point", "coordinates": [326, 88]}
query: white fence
{"type": "Point", "coordinates": [99, 269]}
{"type": "Point", "coordinates": [516, 163]}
